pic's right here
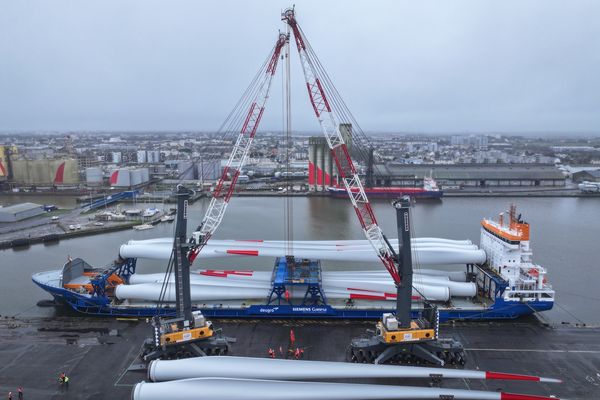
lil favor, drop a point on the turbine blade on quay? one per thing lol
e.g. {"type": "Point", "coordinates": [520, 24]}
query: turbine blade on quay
{"type": "Point", "coordinates": [278, 369]}
{"type": "Point", "coordinates": [254, 389]}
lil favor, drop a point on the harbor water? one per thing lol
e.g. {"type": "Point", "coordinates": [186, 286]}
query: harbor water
{"type": "Point", "coordinates": [565, 238]}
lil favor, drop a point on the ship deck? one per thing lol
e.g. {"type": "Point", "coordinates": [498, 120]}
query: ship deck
{"type": "Point", "coordinates": [96, 353]}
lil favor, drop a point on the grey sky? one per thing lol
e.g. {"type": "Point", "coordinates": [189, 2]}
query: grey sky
{"type": "Point", "coordinates": [432, 66]}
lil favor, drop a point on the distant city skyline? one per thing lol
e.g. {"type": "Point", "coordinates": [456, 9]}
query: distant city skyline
{"type": "Point", "coordinates": [514, 67]}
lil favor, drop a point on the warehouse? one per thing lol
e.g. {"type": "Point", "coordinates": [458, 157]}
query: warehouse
{"type": "Point", "coordinates": [589, 175]}
{"type": "Point", "coordinates": [19, 212]}
{"type": "Point", "coordinates": [471, 175]}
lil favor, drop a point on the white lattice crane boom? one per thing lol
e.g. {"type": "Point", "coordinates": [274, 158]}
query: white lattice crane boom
{"type": "Point", "coordinates": [237, 159]}
{"type": "Point", "coordinates": [330, 125]}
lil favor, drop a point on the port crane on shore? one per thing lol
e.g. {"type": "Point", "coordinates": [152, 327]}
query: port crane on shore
{"type": "Point", "coordinates": [399, 338]}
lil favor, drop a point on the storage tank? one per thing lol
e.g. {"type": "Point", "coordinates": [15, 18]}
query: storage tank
{"type": "Point", "coordinates": [136, 177]}
{"type": "Point", "coordinates": [145, 175]}
{"type": "Point", "coordinates": [209, 170]}
{"type": "Point", "coordinates": [93, 176]}
{"type": "Point", "coordinates": [185, 170]}
{"type": "Point", "coordinates": [120, 177]}
{"type": "Point", "coordinates": [141, 156]}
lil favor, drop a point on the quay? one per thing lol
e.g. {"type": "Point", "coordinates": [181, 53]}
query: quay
{"type": "Point", "coordinates": [97, 352]}
{"type": "Point", "coordinates": [48, 232]}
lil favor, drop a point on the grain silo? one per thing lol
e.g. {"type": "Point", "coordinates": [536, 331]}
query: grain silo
{"type": "Point", "coordinates": [45, 172]}
{"type": "Point", "coordinates": [346, 133]}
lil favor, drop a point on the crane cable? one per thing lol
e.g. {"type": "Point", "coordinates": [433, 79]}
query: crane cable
{"type": "Point", "coordinates": [359, 139]}
{"type": "Point", "coordinates": [233, 122]}
{"type": "Point", "coordinates": [363, 143]}
{"type": "Point", "coordinates": [230, 126]}
{"type": "Point", "coordinates": [287, 117]}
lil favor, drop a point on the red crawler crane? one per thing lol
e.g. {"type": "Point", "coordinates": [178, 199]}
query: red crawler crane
{"type": "Point", "coordinates": [398, 337]}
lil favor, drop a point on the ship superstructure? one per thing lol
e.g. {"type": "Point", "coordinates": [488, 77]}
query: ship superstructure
{"type": "Point", "coordinates": [509, 255]}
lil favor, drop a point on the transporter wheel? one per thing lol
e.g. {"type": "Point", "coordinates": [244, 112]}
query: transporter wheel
{"type": "Point", "coordinates": [350, 357]}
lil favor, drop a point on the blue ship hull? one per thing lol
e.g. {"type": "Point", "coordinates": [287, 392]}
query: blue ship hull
{"type": "Point", "coordinates": [98, 305]}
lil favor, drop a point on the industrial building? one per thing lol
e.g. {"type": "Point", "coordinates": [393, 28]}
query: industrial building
{"type": "Point", "coordinates": [470, 175]}
{"type": "Point", "coordinates": [587, 175]}
{"type": "Point", "coordinates": [19, 212]}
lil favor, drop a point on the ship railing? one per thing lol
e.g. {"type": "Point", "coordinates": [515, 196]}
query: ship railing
{"type": "Point", "coordinates": [529, 295]}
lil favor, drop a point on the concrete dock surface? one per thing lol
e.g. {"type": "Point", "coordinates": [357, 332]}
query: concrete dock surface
{"type": "Point", "coordinates": [96, 353]}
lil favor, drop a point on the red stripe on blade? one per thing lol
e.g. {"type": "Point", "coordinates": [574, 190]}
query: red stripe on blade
{"type": "Point", "coordinates": [510, 377]}
{"type": "Point", "coordinates": [224, 273]}
{"type": "Point", "coordinates": [366, 297]}
{"type": "Point", "coordinates": [243, 252]}
{"type": "Point", "coordinates": [516, 396]}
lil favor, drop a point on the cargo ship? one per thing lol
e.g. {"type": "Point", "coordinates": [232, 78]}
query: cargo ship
{"type": "Point", "coordinates": [430, 190]}
{"type": "Point", "coordinates": [497, 280]}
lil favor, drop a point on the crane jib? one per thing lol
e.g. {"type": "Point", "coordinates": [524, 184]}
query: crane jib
{"type": "Point", "coordinates": [237, 159]}
{"type": "Point", "coordinates": [330, 125]}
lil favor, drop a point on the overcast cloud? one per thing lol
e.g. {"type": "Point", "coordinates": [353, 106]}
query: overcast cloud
{"type": "Point", "coordinates": [428, 66]}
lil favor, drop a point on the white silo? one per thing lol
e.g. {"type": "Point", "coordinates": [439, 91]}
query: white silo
{"type": "Point", "coordinates": [145, 175]}
{"type": "Point", "coordinates": [93, 176]}
{"type": "Point", "coordinates": [136, 177]}
{"type": "Point", "coordinates": [185, 170]}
